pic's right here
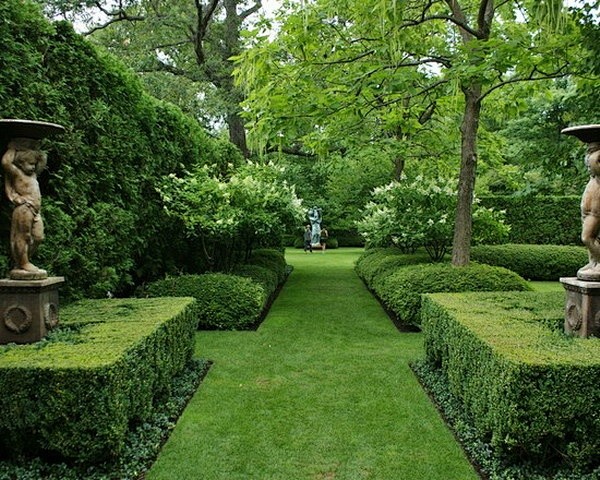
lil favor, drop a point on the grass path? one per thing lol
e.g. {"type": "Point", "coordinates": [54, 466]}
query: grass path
{"type": "Point", "coordinates": [321, 391]}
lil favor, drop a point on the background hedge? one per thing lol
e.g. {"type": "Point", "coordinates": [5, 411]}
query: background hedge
{"type": "Point", "coordinates": [531, 392]}
{"type": "Point", "coordinates": [75, 394]}
{"type": "Point", "coordinates": [540, 219]}
{"type": "Point", "coordinates": [105, 226]}
{"type": "Point", "coordinates": [534, 262]}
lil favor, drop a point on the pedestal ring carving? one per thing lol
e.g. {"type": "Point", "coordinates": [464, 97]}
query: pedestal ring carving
{"type": "Point", "coordinates": [17, 319]}
{"type": "Point", "coordinates": [50, 315]}
{"type": "Point", "coordinates": [573, 317]}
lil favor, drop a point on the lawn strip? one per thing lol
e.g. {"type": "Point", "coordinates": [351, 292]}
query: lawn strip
{"type": "Point", "coordinates": [322, 390]}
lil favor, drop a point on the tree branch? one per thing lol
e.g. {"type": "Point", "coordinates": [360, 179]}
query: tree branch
{"type": "Point", "coordinates": [459, 19]}
{"type": "Point", "coordinates": [532, 77]}
{"type": "Point", "coordinates": [255, 8]}
{"type": "Point", "coordinates": [203, 19]}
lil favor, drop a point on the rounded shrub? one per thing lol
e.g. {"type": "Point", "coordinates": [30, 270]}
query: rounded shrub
{"type": "Point", "coordinates": [261, 275]}
{"type": "Point", "coordinates": [401, 291]}
{"type": "Point", "coordinates": [223, 302]}
{"type": "Point", "coordinates": [272, 259]}
{"type": "Point", "coordinates": [379, 262]}
{"type": "Point", "coordinates": [534, 262]}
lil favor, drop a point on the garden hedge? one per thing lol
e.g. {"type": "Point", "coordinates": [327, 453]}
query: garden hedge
{"type": "Point", "coordinates": [377, 262]}
{"type": "Point", "coordinates": [224, 302]}
{"type": "Point", "coordinates": [75, 394]}
{"type": "Point", "coordinates": [537, 219]}
{"type": "Point", "coordinates": [530, 391]}
{"type": "Point", "coordinates": [263, 276]}
{"type": "Point", "coordinates": [401, 290]}
{"type": "Point", "coordinates": [534, 262]}
{"type": "Point", "coordinates": [272, 259]}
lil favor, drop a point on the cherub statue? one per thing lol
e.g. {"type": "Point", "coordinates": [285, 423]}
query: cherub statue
{"type": "Point", "coordinates": [23, 161]}
{"type": "Point", "coordinates": [590, 215]}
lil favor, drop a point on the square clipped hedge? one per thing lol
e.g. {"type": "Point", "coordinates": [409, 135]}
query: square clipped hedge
{"type": "Point", "coordinates": [75, 394]}
{"type": "Point", "coordinates": [531, 391]}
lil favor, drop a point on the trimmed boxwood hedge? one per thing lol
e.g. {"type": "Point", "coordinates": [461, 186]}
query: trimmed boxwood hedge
{"type": "Point", "coordinates": [531, 393]}
{"type": "Point", "coordinates": [224, 302]}
{"type": "Point", "coordinates": [272, 259]}
{"type": "Point", "coordinates": [75, 394]}
{"type": "Point", "coordinates": [401, 290]}
{"type": "Point", "coordinates": [378, 262]}
{"type": "Point", "coordinates": [534, 262]}
{"type": "Point", "coordinates": [263, 276]}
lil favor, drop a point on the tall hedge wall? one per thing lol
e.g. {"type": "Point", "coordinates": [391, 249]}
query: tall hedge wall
{"type": "Point", "coordinates": [105, 225]}
{"type": "Point", "coordinates": [540, 220]}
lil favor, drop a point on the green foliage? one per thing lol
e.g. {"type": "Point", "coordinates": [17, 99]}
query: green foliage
{"type": "Point", "coordinates": [535, 219]}
{"type": "Point", "coordinates": [274, 260]}
{"type": "Point", "coordinates": [533, 262]}
{"type": "Point", "coordinates": [238, 212]}
{"type": "Point", "coordinates": [214, 293]}
{"type": "Point", "coordinates": [421, 213]}
{"type": "Point", "coordinates": [377, 262]}
{"type": "Point", "coordinates": [106, 228]}
{"type": "Point", "coordinates": [528, 390]}
{"type": "Point", "coordinates": [349, 238]}
{"type": "Point", "coordinates": [401, 290]}
{"type": "Point", "coordinates": [263, 276]}
{"type": "Point", "coordinates": [142, 443]}
{"type": "Point", "coordinates": [75, 394]}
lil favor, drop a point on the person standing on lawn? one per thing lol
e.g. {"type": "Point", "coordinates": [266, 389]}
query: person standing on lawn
{"type": "Point", "coordinates": [324, 237]}
{"type": "Point", "coordinates": [308, 239]}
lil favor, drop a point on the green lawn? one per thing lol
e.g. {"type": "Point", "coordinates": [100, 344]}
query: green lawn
{"type": "Point", "coordinates": [322, 390]}
{"type": "Point", "coordinates": [547, 286]}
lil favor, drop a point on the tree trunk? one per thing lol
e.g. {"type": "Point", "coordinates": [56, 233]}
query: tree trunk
{"type": "Point", "coordinates": [461, 245]}
{"type": "Point", "coordinates": [237, 132]}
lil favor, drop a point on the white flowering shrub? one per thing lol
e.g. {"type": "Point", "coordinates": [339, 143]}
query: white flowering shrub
{"type": "Point", "coordinates": [251, 204]}
{"type": "Point", "coordinates": [420, 213]}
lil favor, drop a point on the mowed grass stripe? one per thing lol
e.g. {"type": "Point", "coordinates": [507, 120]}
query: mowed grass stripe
{"type": "Point", "coordinates": [322, 390]}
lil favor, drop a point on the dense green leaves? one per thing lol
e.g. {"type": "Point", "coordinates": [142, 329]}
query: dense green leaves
{"type": "Point", "coordinates": [106, 228]}
{"type": "Point", "coordinates": [411, 214]}
{"type": "Point", "coordinates": [249, 206]}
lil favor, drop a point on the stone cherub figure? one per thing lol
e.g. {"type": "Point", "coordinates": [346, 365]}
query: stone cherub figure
{"type": "Point", "coordinates": [590, 214]}
{"type": "Point", "coordinates": [23, 161]}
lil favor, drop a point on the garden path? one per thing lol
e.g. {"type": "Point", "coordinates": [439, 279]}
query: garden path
{"type": "Point", "coordinates": [323, 390]}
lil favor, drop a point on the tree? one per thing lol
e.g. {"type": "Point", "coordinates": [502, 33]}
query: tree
{"type": "Point", "coordinates": [400, 59]}
{"type": "Point", "coordinates": [189, 39]}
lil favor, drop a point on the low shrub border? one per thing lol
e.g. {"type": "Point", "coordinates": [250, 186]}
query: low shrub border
{"type": "Point", "coordinates": [223, 302]}
{"type": "Point", "coordinates": [142, 443]}
{"type": "Point", "coordinates": [528, 390]}
{"type": "Point", "coordinates": [401, 290]}
{"type": "Point", "coordinates": [76, 394]}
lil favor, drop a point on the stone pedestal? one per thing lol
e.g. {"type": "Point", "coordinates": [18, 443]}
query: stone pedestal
{"type": "Point", "coordinates": [28, 309]}
{"type": "Point", "coordinates": [582, 310]}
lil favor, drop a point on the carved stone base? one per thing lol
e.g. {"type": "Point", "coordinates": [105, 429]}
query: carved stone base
{"type": "Point", "coordinates": [28, 309]}
{"type": "Point", "coordinates": [582, 309]}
